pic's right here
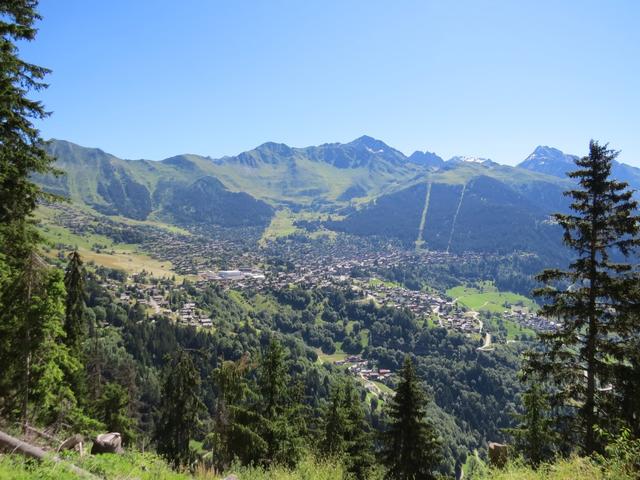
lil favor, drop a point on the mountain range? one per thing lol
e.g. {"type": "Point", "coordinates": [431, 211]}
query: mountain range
{"type": "Point", "coordinates": [368, 187]}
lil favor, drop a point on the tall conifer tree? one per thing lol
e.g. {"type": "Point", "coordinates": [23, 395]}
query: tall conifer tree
{"type": "Point", "coordinates": [74, 325]}
{"type": "Point", "coordinates": [30, 327]}
{"type": "Point", "coordinates": [533, 436]}
{"type": "Point", "coordinates": [412, 448]}
{"type": "Point", "coordinates": [359, 458]}
{"type": "Point", "coordinates": [580, 356]}
{"type": "Point", "coordinates": [237, 425]}
{"type": "Point", "coordinates": [180, 409]}
{"type": "Point", "coordinates": [21, 147]}
{"type": "Point", "coordinates": [281, 408]}
{"type": "Point", "coordinates": [32, 352]}
{"type": "Point", "coordinates": [334, 424]}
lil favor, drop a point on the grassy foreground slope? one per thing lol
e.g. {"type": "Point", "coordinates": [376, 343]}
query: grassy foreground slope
{"type": "Point", "coordinates": [143, 466]}
{"type": "Point", "coordinates": [146, 466]}
{"type": "Point", "coordinates": [575, 468]}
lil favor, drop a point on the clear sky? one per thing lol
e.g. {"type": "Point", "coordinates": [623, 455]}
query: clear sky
{"type": "Point", "coordinates": [155, 78]}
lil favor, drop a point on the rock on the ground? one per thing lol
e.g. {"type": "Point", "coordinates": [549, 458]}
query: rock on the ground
{"type": "Point", "coordinates": [107, 443]}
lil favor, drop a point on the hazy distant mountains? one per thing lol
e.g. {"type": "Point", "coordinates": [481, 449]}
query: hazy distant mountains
{"type": "Point", "coordinates": [550, 161]}
{"type": "Point", "coordinates": [554, 162]}
{"type": "Point", "coordinates": [465, 203]}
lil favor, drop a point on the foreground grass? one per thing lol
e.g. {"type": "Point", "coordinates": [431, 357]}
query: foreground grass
{"type": "Point", "coordinates": [574, 468]}
{"type": "Point", "coordinates": [308, 469]}
{"type": "Point", "coordinates": [147, 466]}
{"type": "Point", "coordinates": [143, 466]}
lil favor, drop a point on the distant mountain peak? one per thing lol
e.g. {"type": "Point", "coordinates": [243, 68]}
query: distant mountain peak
{"type": "Point", "coordinates": [426, 158]}
{"type": "Point", "coordinates": [543, 154]}
{"type": "Point", "coordinates": [274, 147]}
{"type": "Point", "coordinates": [372, 145]}
{"type": "Point", "coordinates": [552, 161]}
{"type": "Point", "coordinates": [549, 160]}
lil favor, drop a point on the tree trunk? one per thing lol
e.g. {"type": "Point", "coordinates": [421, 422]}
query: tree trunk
{"type": "Point", "coordinates": [12, 444]}
{"type": "Point", "coordinates": [592, 334]}
{"type": "Point", "coordinates": [589, 405]}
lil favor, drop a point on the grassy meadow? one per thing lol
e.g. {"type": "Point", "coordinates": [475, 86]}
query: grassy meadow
{"type": "Point", "coordinates": [484, 296]}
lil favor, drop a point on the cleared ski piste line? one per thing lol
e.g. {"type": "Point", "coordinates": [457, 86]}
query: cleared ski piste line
{"type": "Point", "coordinates": [455, 216]}
{"type": "Point", "coordinates": [423, 219]}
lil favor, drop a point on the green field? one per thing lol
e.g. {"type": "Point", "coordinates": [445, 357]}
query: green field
{"type": "Point", "coordinates": [484, 296]}
{"type": "Point", "coordinates": [282, 225]}
{"type": "Point", "coordinates": [513, 330]}
{"type": "Point", "coordinates": [334, 357]}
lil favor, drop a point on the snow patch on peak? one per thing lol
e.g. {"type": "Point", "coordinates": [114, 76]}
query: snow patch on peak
{"type": "Point", "coordinates": [470, 159]}
{"type": "Point", "coordinates": [371, 150]}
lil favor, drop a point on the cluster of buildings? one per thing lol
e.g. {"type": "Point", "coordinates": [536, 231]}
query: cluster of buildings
{"type": "Point", "coordinates": [314, 264]}
{"type": "Point", "coordinates": [233, 275]}
{"type": "Point", "coordinates": [189, 315]}
{"type": "Point", "coordinates": [188, 253]}
{"type": "Point", "coordinates": [193, 254]}
{"type": "Point", "coordinates": [524, 317]}
{"type": "Point", "coordinates": [422, 304]}
{"type": "Point", "coordinates": [147, 295]}
{"type": "Point", "coordinates": [362, 368]}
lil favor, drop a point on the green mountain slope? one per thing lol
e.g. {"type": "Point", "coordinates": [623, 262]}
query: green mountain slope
{"type": "Point", "coordinates": [311, 177]}
{"type": "Point", "coordinates": [317, 176]}
{"type": "Point", "coordinates": [467, 208]}
{"type": "Point", "coordinates": [179, 189]}
{"type": "Point", "coordinates": [472, 205]}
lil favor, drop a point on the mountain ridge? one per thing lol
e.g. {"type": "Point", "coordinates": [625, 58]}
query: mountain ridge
{"type": "Point", "coordinates": [374, 188]}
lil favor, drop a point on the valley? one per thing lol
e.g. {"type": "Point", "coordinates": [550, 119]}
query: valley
{"type": "Point", "coordinates": [437, 265]}
{"type": "Point", "coordinates": [207, 271]}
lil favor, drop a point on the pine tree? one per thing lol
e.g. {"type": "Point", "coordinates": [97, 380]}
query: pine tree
{"type": "Point", "coordinates": [21, 148]}
{"type": "Point", "coordinates": [180, 409]}
{"type": "Point", "coordinates": [534, 436]}
{"type": "Point", "coordinates": [334, 424]}
{"type": "Point", "coordinates": [32, 352]}
{"type": "Point", "coordinates": [280, 409]}
{"type": "Point", "coordinates": [112, 409]}
{"type": "Point", "coordinates": [237, 426]}
{"type": "Point", "coordinates": [346, 433]}
{"type": "Point", "coordinates": [74, 325]}
{"type": "Point", "coordinates": [272, 380]}
{"type": "Point", "coordinates": [412, 448]}
{"type": "Point", "coordinates": [585, 298]}
{"type": "Point", "coordinates": [359, 459]}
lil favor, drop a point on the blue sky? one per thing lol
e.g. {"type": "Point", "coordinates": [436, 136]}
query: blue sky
{"type": "Point", "coordinates": [155, 78]}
